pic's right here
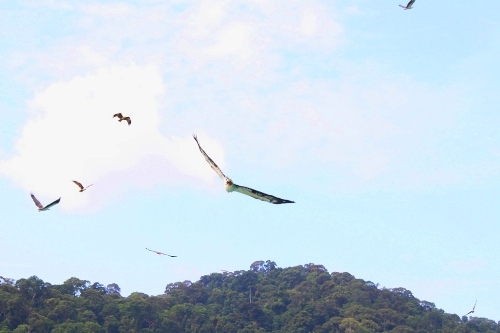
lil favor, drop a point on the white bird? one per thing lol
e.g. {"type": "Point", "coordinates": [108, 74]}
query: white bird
{"type": "Point", "coordinates": [81, 186]}
{"type": "Point", "coordinates": [121, 117]}
{"type": "Point", "coordinates": [230, 186]}
{"type": "Point", "coordinates": [472, 311]}
{"type": "Point", "coordinates": [41, 208]}
{"type": "Point", "coordinates": [408, 6]}
{"type": "Point", "coordinates": [160, 253]}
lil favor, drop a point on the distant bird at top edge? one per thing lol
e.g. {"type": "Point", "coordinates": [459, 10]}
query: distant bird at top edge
{"type": "Point", "coordinates": [408, 6]}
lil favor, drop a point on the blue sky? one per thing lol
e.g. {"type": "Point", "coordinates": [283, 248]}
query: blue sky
{"type": "Point", "coordinates": [381, 124]}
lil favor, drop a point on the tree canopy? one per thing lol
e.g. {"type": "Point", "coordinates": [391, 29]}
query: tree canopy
{"type": "Point", "coordinates": [265, 298]}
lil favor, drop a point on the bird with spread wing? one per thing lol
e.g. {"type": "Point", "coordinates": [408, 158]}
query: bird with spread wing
{"type": "Point", "coordinates": [161, 253]}
{"type": "Point", "coordinates": [42, 208]}
{"type": "Point", "coordinates": [472, 311]}
{"type": "Point", "coordinates": [121, 117]}
{"type": "Point", "coordinates": [230, 186]}
{"type": "Point", "coordinates": [81, 186]}
{"type": "Point", "coordinates": [408, 6]}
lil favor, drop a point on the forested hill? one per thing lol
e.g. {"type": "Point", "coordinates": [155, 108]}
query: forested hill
{"type": "Point", "coordinates": [264, 298]}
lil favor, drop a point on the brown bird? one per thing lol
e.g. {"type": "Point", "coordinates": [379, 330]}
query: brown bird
{"type": "Point", "coordinates": [41, 208]}
{"type": "Point", "coordinates": [472, 311]}
{"type": "Point", "coordinates": [160, 253]}
{"type": "Point", "coordinates": [121, 117]}
{"type": "Point", "coordinates": [81, 186]}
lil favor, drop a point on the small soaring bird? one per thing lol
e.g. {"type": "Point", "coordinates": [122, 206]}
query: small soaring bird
{"type": "Point", "coordinates": [161, 253]}
{"type": "Point", "coordinates": [472, 311]}
{"type": "Point", "coordinates": [41, 208]}
{"type": "Point", "coordinates": [81, 186]}
{"type": "Point", "coordinates": [230, 186]}
{"type": "Point", "coordinates": [408, 6]}
{"type": "Point", "coordinates": [121, 117]}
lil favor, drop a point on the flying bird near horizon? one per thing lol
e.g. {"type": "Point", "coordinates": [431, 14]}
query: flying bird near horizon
{"type": "Point", "coordinates": [121, 117]}
{"type": "Point", "coordinates": [472, 311]}
{"type": "Point", "coordinates": [161, 253]}
{"type": "Point", "coordinates": [81, 186]}
{"type": "Point", "coordinates": [41, 208]}
{"type": "Point", "coordinates": [230, 186]}
{"type": "Point", "coordinates": [408, 6]}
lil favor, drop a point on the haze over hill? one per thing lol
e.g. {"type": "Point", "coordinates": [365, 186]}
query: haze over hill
{"type": "Point", "coordinates": [265, 298]}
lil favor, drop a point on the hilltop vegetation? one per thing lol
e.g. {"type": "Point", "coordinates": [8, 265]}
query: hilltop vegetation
{"type": "Point", "coordinates": [264, 298]}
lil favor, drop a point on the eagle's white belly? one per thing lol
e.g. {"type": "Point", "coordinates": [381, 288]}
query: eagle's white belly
{"type": "Point", "coordinates": [230, 187]}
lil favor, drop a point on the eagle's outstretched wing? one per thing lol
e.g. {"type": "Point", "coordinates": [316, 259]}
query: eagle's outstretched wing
{"type": "Point", "coordinates": [51, 204]}
{"type": "Point", "coordinates": [260, 195]}
{"type": "Point", "coordinates": [127, 119]}
{"type": "Point", "coordinates": [119, 115]}
{"type": "Point", "coordinates": [37, 203]}
{"type": "Point", "coordinates": [79, 184]}
{"type": "Point", "coordinates": [210, 161]}
{"type": "Point", "coordinates": [155, 251]}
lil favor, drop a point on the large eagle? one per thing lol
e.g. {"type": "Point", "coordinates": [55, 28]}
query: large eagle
{"type": "Point", "coordinates": [41, 208]}
{"type": "Point", "coordinates": [230, 186]}
{"type": "Point", "coordinates": [81, 186]}
{"type": "Point", "coordinates": [408, 6]}
{"type": "Point", "coordinates": [161, 253]}
{"type": "Point", "coordinates": [121, 117]}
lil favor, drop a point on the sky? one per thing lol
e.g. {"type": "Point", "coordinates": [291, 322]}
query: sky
{"type": "Point", "coordinates": [380, 123]}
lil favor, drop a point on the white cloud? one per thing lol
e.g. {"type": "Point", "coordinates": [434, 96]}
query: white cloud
{"type": "Point", "coordinates": [116, 9]}
{"type": "Point", "coordinates": [203, 19]}
{"type": "Point", "coordinates": [255, 30]}
{"type": "Point", "coordinates": [71, 135]}
{"type": "Point", "coordinates": [309, 25]}
{"type": "Point", "coordinates": [85, 54]}
{"type": "Point", "coordinates": [53, 4]}
{"type": "Point", "coordinates": [260, 76]}
{"type": "Point", "coordinates": [233, 40]}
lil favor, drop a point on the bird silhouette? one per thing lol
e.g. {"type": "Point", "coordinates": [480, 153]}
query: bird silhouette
{"type": "Point", "coordinates": [472, 311]}
{"type": "Point", "coordinates": [230, 186]}
{"type": "Point", "coordinates": [41, 207]}
{"type": "Point", "coordinates": [81, 186]}
{"type": "Point", "coordinates": [408, 6]}
{"type": "Point", "coordinates": [160, 253]}
{"type": "Point", "coordinates": [121, 117]}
